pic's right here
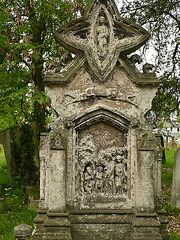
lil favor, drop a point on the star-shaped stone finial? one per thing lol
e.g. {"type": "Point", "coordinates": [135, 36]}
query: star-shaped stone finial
{"type": "Point", "coordinates": [102, 35]}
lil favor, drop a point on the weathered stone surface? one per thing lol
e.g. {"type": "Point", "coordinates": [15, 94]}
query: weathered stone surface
{"type": "Point", "coordinates": [102, 35]}
{"type": "Point", "coordinates": [22, 231]}
{"type": "Point", "coordinates": [175, 194]}
{"type": "Point", "coordinates": [39, 224]}
{"type": "Point", "coordinates": [100, 164]}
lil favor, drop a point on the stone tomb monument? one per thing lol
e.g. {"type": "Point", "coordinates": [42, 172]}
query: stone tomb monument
{"type": "Point", "coordinates": [175, 193]}
{"type": "Point", "coordinates": [100, 164]}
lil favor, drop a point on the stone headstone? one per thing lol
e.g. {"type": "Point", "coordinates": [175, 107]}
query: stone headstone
{"type": "Point", "coordinates": [160, 142]}
{"type": "Point", "coordinates": [175, 193]}
{"type": "Point", "coordinates": [173, 144]}
{"type": "Point", "coordinates": [100, 164]}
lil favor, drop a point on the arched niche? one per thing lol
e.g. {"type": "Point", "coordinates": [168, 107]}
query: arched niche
{"type": "Point", "coordinates": [100, 160]}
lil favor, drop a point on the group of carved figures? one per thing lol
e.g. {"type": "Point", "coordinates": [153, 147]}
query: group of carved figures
{"type": "Point", "coordinates": [104, 172]}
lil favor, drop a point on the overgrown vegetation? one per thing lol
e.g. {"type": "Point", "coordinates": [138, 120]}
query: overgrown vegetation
{"type": "Point", "coordinates": [23, 149]}
{"type": "Point", "coordinates": [14, 210]}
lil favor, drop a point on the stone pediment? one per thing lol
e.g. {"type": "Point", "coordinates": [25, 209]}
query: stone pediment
{"type": "Point", "coordinates": [70, 71]}
{"type": "Point", "coordinates": [101, 35]}
{"type": "Point", "coordinates": [137, 77]}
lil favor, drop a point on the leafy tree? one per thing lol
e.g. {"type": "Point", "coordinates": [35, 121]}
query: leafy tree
{"type": "Point", "coordinates": [26, 45]}
{"type": "Point", "coordinates": [26, 42]}
{"type": "Point", "coordinates": [161, 19]}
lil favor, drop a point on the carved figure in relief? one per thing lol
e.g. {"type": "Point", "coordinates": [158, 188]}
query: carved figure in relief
{"type": "Point", "coordinates": [88, 179]}
{"type": "Point", "coordinates": [101, 171]}
{"type": "Point", "coordinates": [135, 58]}
{"type": "Point", "coordinates": [109, 172]}
{"type": "Point", "coordinates": [119, 173]}
{"type": "Point", "coordinates": [99, 186]}
{"type": "Point", "coordinates": [102, 37]}
{"type": "Point", "coordinates": [148, 68]}
{"type": "Point", "coordinates": [86, 149]}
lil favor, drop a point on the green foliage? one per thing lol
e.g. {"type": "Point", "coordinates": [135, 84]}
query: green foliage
{"type": "Point", "coordinates": [167, 177]}
{"type": "Point", "coordinates": [161, 19]}
{"type": "Point", "coordinates": [167, 170]}
{"type": "Point", "coordinates": [4, 176]}
{"type": "Point", "coordinates": [10, 220]}
{"type": "Point", "coordinates": [15, 199]}
{"type": "Point", "coordinates": [174, 236]}
{"type": "Point", "coordinates": [26, 44]}
{"type": "Point", "coordinates": [14, 210]}
{"type": "Point", "coordinates": [169, 158]}
{"type": "Point", "coordinates": [23, 152]}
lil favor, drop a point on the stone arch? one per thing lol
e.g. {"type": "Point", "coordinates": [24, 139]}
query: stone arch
{"type": "Point", "coordinates": [99, 139]}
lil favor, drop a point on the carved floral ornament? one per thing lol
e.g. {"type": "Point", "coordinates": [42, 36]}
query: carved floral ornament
{"type": "Point", "coordinates": [102, 35]}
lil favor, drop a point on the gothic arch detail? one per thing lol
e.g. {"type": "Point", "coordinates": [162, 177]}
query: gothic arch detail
{"type": "Point", "coordinates": [101, 156]}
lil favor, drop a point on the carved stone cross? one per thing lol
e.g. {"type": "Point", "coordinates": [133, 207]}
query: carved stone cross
{"type": "Point", "coordinates": [102, 35]}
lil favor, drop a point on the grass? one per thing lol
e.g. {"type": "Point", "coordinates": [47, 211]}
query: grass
{"type": "Point", "coordinates": [14, 210]}
{"type": "Point", "coordinates": [166, 177]}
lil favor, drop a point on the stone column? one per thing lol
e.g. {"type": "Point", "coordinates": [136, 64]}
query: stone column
{"type": "Point", "coordinates": [146, 224]}
{"type": "Point", "coordinates": [175, 193]}
{"type": "Point", "coordinates": [57, 225]}
{"type": "Point", "coordinates": [57, 187]}
{"type": "Point", "coordinates": [145, 181]}
{"type": "Point", "coordinates": [43, 202]}
{"type": "Point", "coordinates": [158, 184]}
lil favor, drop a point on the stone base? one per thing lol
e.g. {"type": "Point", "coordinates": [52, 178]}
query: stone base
{"type": "Point", "coordinates": [57, 227]}
{"type": "Point", "coordinates": [39, 224]}
{"type": "Point", "coordinates": [101, 225]}
{"type": "Point", "coordinates": [164, 225]}
{"type": "Point", "coordinates": [146, 226]}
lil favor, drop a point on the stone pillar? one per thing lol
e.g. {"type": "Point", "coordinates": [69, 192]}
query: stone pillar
{"type": "Point", "coordinates": [158, 184]}
{"type": "Point", "coordinates": [57, 225]}
{"type": "Point", "coordinates": [146, 223]}
{"type": "Point", "coordinates": [43, 202]}
{"type": "Point", "coordinates": [22, 232]}
{"type": "Point", "coordinates": [175, 194]}
{"type": "Point", "coordinates": [145, 182]}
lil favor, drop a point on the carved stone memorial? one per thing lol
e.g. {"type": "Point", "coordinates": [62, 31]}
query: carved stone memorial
{"type": "Point", "coordinates": [175, 193]}
{"type": "Point", "coordinates": [100, 173]}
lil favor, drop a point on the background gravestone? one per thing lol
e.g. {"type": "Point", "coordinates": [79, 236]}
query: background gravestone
{"type": "Point", "coordinates": [175, 193]}
{"type": "Point", "coordinates": [100, 164]}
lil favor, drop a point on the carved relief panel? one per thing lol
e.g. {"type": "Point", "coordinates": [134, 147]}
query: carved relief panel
{"type": "Point", "coordinates": [101, 163]}
{"type": "Point", "coordinates": [101, 34]}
